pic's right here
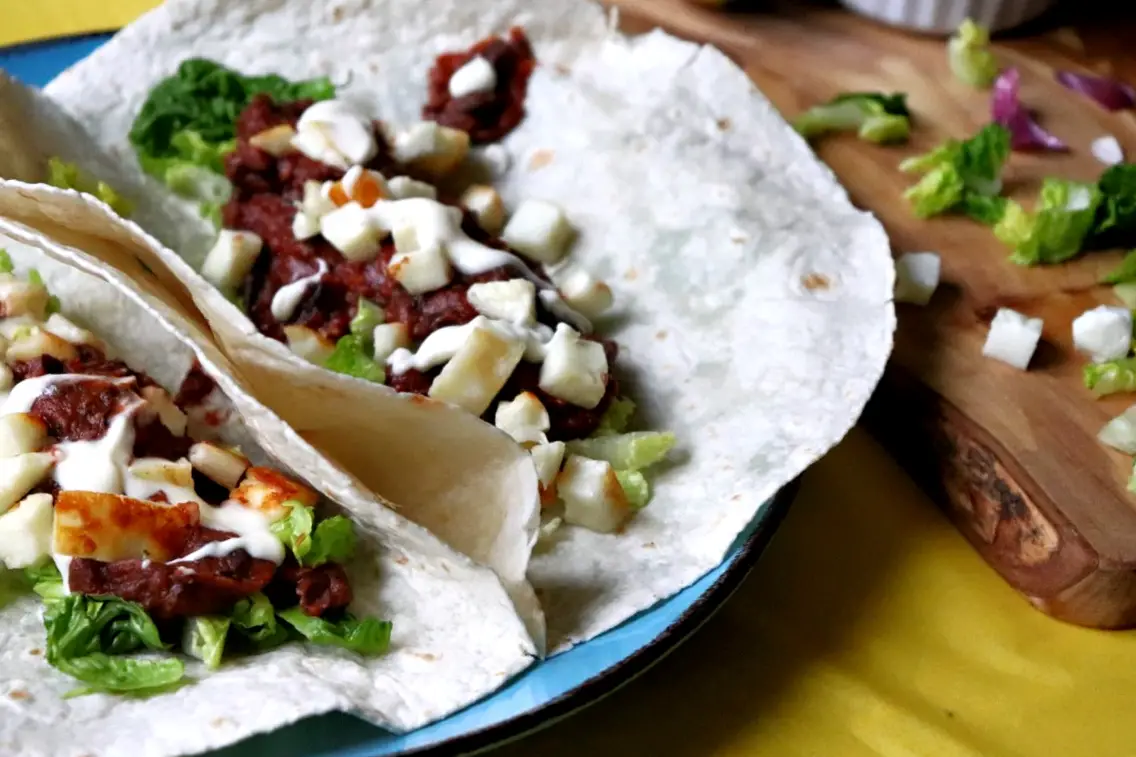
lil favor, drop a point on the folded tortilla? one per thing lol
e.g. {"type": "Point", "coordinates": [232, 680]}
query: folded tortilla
{"type": "Point", "coordinates": [756, 312]}
{"type": "Point", "coordinates": [456, 635]}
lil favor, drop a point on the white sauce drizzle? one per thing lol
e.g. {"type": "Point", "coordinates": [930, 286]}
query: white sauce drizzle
{"type": "Point", "coordinates": [63, 564]}
{"type": "Point", "coordinates": [289, 296]}
{"type": "Point", "coordinates": [475, 76]}
{"type": "Point", "coordinates": [251, 527]}
{"type": "Point", "coordinates": [441, 346]}
{"type": "Point", "coordinates": [98, 465]}
{"type": "Point", "coordinates": [348, 132]}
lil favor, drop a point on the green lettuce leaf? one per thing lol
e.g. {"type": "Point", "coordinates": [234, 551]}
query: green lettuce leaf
{"type": "Point", "coordinates": [635, 486]}
{"type": "Point", "coordinates": [295, 529]}
{"type": "Point", "coordinates": [368, 637]}
{"type": "Point", "coordinates": [969, 56]}
{"type": "Point", "coordinates": [367, 316]}
{"type": "Point", "coordinates": [6, 262]}
{"type": "Point", "coordinates": [70, 176]}
{"type": "Point", "coordinates": [1112, 377]}
{"type": "Point", "coordinates": [1056, 230]}
{"type": "Point", "coordinates": [333, 541]}
{"type": "Point", "coordinates": [1115, 224]}
{"type": "Point", "coordinates": [875, 117]}
{"type": "Point", "coordinates": [253, 622]}
{"type": "Point", "coordinates": [616, 418]}
{"type": "Point", "coordinates": [631, 451]}
{"type": "Point", "coordinates": [45, 580]}
{"type": "Point", "coordinates": [105, 674]}
{"type": "Point", "coordinates": [955, 171]}
{"type": "Point", "coordinates": [351, 357]}
{"type": "Point", "coordinates": [204, 639]}
{"type": "Point", "coordinates": [1125, 273]}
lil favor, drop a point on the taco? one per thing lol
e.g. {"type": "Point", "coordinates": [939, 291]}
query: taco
{"type": "Point", "coordinates": [512, 189]}
{"type": "Point", "coordinates": [165, 586]}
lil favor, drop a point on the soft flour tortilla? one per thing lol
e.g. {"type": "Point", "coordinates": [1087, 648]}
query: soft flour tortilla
{"type": "Point", "coordinates": [456, 636]}
{"type": "Point", "coordinates": [755, 301]}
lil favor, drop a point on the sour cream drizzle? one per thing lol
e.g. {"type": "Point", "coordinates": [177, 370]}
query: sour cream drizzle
{"type": "Point", "coordinates": [441, 346]}
{"type": "Point", "coordinates": [289, 296]}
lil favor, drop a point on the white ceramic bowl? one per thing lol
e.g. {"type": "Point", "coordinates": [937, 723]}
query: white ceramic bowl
{"type": "Point", "coordinates": [944, 16]}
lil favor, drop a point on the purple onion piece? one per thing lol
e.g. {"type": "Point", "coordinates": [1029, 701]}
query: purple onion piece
{"type": "Point", "coordinates": [1109, 93]}
{"type": "Point", "coordinates": [1007, 109]}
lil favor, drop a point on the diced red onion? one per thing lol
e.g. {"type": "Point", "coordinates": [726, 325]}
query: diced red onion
{"type": "Point", "coordinates": [1007, 109]}
{"type": "Point", "coordinates": [1109, 93]}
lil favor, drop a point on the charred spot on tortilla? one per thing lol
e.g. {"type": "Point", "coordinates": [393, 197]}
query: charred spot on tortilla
{"type": "Point", "coordinates": [815, 282]}
{"type": "Point", "coordinates": [540, 159]}
{"type": "Point", "coordinates": [485, 105]}
{"type": "Point", "coordinates": [724, 124]}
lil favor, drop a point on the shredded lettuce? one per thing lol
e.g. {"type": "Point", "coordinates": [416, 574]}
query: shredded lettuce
{"type": "Point", "coordinates": [631, 451]}
{"type": "Point", "coordinates": [956, 171]}
{"type": "Point", "coordinates": [969, 56]}
{"type": "Point", "coordinates": [331, 540]}
{"type": "Point", "coordinates": [351, 357]}
{"type": "Point", "coordinates": [875, 117]}
{"type": "Point", "coordinates": [45, 581]}
{"type": "Point", "coordinates": [253, 622]}
{"type": "Point", "coordinates": [87, 636]}
{"type": "Point", "coordinates": [6, 262]}
{"type": "Point", "coordinates": [367, 316]}
{"type": "Point", "coordinates": [188, 124]}
{"type": "Point", "coordinates": [204, 639]}
{"type": "Point", "coordinates": [616, 418]}
{"type": "Point", "coordinates": [70, 176]}
{"type": "Point", "coordinates": [635, 487]}
{"type": "Point", "coordinates": [1125, 273]}
{"type": "Point", "coordinates": [367, 636]}
{"type": "Point", "coordinates": [295, 528]}
{"type": "Point", "coordinates": [1115, 224]}
{"type": "Point", "coordinates": [1055, 231]}
{"type": "Point", "coordinates": [1112, 377]}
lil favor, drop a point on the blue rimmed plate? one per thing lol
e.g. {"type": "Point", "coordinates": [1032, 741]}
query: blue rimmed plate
{"type": "Point", "coordinates": [547, 692]}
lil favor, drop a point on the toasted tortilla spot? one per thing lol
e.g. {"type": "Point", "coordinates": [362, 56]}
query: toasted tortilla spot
{"type": "Point", "coordinates": [540, 159]}
{"type": "Point", "coordinates": [661, 334]}
{"type": "Point", "coordinates": [815, 281]}
{"type": "Point", "coordinates": [725, 124]}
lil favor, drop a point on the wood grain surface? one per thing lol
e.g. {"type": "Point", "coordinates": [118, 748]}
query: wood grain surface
{"type": "Point", "coordinates": [1012, 455]}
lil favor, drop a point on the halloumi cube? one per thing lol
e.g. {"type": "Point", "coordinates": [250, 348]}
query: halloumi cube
{"type": "Point", "coordinates": [421, 270]}
{"type": "Point", "coordinates": [592, 495]}
{"type": "Point", "coordinates": [350, 231]}
{"type": "Point", "coordinates": [547, 458]}
{"type": "Point", "coordinates": [388, 337]}
{"type": "Point", "coordinates": [574, 370]}
{"type": "Point", "coordinates": [513, 301]}
{"type": "Point", "coordinates": [304, 226]}
{"type": "Point", "coordinates": [159, 470]}
{"type": "Point", "coordinates": [33, 342]}
{"type": "Point", "coordinates": [316, 144]}
{"type": "Point", "coordinates": [524, 418]}
{"type": "Point", "coordinates": [111, 527]}
{"type": "Point", "coordinates": [218, 464]}
{"type": "Point", "coordinates": [308, 344]}
{"type": "Point", "coordinates": [479, 370]}
{"type": "Point", "coordinates": [266, 490]}
{"type": "Point", "coordinates": [486, 206]}
{"type": "Point", "coordinates": [539, 230]}
{"type": "Point", "coordinates": [316, 201]}
{"type": "Point", "coordinates": [64, 328]}
{"type": "Point", "coordinates": [583, 292]}
{"type": "Point", "coordinates": [25, 532]}
{"type": "Point", "coordinates": [159, 402]}
{"type": "Point", "coordinates": [231, 258]}
{"type": "Point", "coordinates": [21, 433]}
{"type": "Point", "coordinates": [431, 149]}
{"type": "Point", "coordinates": [22, 298]}
{"type": "Point", "coordinates": [404, 188]}
{"type": "Point", "coordinates": [275, 140]}
{"type": "Point", "coordinates": [20, 474]}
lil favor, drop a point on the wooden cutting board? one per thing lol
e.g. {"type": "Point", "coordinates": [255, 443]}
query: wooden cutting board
{"type": "Point", "coordinates": [1012, 456]}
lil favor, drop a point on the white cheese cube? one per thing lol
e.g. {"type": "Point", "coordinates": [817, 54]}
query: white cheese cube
{"type": "Point", "coordinates": [583, 292]}
{"type": "Point", "coordinates": [111, 527]}
{"type": "Point", "coordinates": [429, 148]}
{"type": "Point", "coordinates": [547, 459]}
{"type": "Point", "coordinates": [478, 75]}
{"type": "Point", "coordinates": [304, 226]}
{"type": "Point", "coordinates": [231, 259]}
{"type": "Point", "coordinates": [275, 140]}
{"type": "Point", "coordinates": [218, 464]}
{"type": "Point", "coordinates": [265, 490]}
{"type": "Point", "coordinates": [404, 187]}
{"type": "Point", "coordinates": [574, 370]}
{"type": "Point", "coordinates": [388, 337]}
{"type": "Point", "coordinates": [317, 201]}
{"type": "Point", "coordinates": [161, 471]}
{"type": "Point", "coordinates": [592, 495]}
{"type": "Point", "coordinates": [33, 342]}
{"type": "Point", "coordinates": [308, 344]}
{"type": "Point", "coordinates": [316, 144]}
{"type": "Point", "coordinates": [1013, 338]}
{"type": "Point", "coordinates": [474, 376]}
{"type": "Point", "coordinates": [349, 230]}
{"type": "Point", "coordinates": [159, 402]}
{"type": "Point", "coordinates": [1104, 333]}
{"type": "Point", "coordinates": [422, 270]}
{"type": "Point", "coordinates": [538, 230]}
{"type": "Point", "coordinates": [513, 301]}
{"type": "Point", "coordinates": [916, 277]}
{"type": "Point", "coordinates": [22, 298]}
{"type": "Point", "coordinates": [25, 532]}
{"type": "Point", "coordinates": [486, 206]}
{"type": "Point", "coordinates": [21, 433]}
{"type": "Point", "coordinates": [345, 130]}
{"type": "Point", "coordinates": [66, 329]}
{"type": "Point", "coordinates": [1107, 150]}
{"type": "Point", "coordinates": [20, 474]}
{"type": "Point", "coordinates": [523, 418]}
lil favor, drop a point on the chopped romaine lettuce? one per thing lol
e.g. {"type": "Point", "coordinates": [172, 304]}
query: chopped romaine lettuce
{"type": "Point", "coordinates": [6, 262]}
{"type": "Point", "coordinates": [983, 208]}
{"type": "Point", "coordinates": [1116, 215]}
{"type": "Point", "coordinates": [367, 316]}
{"type": "Point", "coordinates": [956, 170]}
{"type": "Point", "coordinates": [204, 639]}
{"type": "Point", "coordinates": [69, 176]}
{"type": "Point", "coordinates": [876, 117]}
{"type": "Point", "coordinates": [350, 357]}
{"type": "Point", "coordinates": [969, 55]}
{"type": "Point", "coordinates": [635, 486]}
{"type": "Point", "coordinates": [12, 585]}
{"type": "Point", "coordinates": [631, 451]}
{"type": "Point", "coordinates": [616, 418]}
{"type": "Point", "coordinates": [254, 622]}
{"type": "Point", "coordinates": [1125, 273]}
{"type": "Point", "coordinates": [295, 528]}
{"type": "Point", "coordinates": [1112, 377]}
{"type": "Point", "coordinates": [86, 636]}
{"type": "Point", "coordinates": [368, 636]}
{"type": "Point", "coordinates": [1055, 231]}
{"type": "Point", "coordinates": [45, 581]}
{"type": "Point", "coordinates": [332, 540]}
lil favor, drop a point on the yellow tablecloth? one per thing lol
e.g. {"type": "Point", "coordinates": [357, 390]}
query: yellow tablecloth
{"type": "Point", "coordinates": [869, 628]}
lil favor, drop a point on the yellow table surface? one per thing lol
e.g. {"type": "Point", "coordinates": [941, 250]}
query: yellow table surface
{"type": "Point", "coordinates": [869, 627]}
